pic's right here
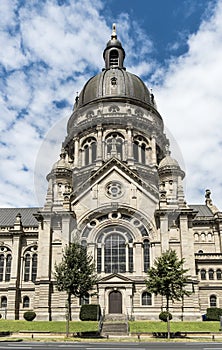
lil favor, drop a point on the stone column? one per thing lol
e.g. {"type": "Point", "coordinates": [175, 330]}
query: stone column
{"type": "Point", "coordinates": [130, 157]}
{"type": "Point", "coordinates": [76, 152]}
{"type": "Point", "coordinates": [99, 155]}
{"type": "Point", "coordinates": [153, 145]}
{"type": "Point", "coordinates": [13, 300]}
{"type": "Point", "coordinates": [164, 236]}
{"type": "Point", "coordinates": [42, 303]}
{"type": "Point", "coordinates": [138, 254]}
{"type": "Point", "coordinates": [187, 247]}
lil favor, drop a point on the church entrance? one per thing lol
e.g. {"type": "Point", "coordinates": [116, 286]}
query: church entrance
{"type": "Point", "coordinates": [115, 302]}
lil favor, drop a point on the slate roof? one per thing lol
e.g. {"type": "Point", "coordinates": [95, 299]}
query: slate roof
{"type": "Point", "coordinates": [202, 209]}
{"type": "Point", "coordinates": [8, 216]}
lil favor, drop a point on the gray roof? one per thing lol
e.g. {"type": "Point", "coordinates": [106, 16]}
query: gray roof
{"type": "Point", "coordinates": [8, 216]}
{"type": "Point", "coordinates": [202, 209]}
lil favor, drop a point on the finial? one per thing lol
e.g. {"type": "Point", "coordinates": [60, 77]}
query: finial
{"type": "Point", "coordinates": [209, 203]}
{"type": "Point", "coordinates": [18, 223]}
{"type": "Point", "coordinates": [63, 153]}
{"type": "Point", "coordinates": [77, 97]}
{"type": "Point", "coordinates": [114, 35]}
{"type": "Point", "coordinates": [168, 150]}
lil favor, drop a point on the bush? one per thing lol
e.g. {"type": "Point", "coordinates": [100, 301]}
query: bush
{"type": "Point", "coordinates": [213, 314]}
{"type": "Point", "coordinates": [90, 312]}
{"type": "Point", "coordinates": [29, 315]}
{"type": "Point", "coordinates": [164, 314]}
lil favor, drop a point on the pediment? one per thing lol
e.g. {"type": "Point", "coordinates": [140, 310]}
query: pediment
{"type": "Point", "coordinates": [115, 278]}
{"type": "Point", "coordinates": [114, 165]}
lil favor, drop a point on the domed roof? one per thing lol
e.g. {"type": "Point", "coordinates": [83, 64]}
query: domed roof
{"type": "Point", "coordinates": [169, 165]}
{"type": "Point", "coordinates": [114, 81]}
{"type": "Point", "coordinates": [168, 161]}
{"type": "Point", "coordinates": [62, 163]}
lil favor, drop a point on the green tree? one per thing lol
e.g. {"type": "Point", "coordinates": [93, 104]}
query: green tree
{"type": "Point", "coordinates": [168, 278]}
{"type": "Point", "coordinates": [75, 274]}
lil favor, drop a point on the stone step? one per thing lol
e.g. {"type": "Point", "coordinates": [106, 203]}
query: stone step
{"type": "Point", "coordinates": [115, 317]}
{"type": "Point", "coordinates": [114, 328]}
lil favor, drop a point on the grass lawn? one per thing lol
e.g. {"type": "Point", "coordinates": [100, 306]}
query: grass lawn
{"type": "Point", "coordinates": [45, 326]}
{"type": "Point", "coordinates": [86, 326]}
{"type": "Point", "coordinates": [158, 326]}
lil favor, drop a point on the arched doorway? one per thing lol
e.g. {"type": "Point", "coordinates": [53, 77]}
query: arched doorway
{"type": "Point", "coordinates": [115, 302]}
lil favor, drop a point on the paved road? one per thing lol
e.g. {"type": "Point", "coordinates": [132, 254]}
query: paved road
{"type": "Point", "coordinates": [109, 346]}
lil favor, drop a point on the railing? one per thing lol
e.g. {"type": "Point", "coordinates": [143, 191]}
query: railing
{"type": "Point", "coordinates": [127, 321]}
{"type": "Point", "coordinates": [100, 325]}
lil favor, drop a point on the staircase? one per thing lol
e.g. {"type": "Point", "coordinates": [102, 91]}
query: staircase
{"type": "Point", "coordinates": [114, 324]}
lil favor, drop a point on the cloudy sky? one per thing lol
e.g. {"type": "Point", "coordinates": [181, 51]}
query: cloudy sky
{"type": "Point", "coordinates": [50, 48]}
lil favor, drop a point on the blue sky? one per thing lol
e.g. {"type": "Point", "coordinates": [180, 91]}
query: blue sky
{"type": "Point", "coordinates": [50, 48]}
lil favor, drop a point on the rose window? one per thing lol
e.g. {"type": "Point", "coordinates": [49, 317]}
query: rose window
{"type": "Point", "coordinates": [114, 189]}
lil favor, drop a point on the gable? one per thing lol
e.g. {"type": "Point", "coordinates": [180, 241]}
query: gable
{"type": "Point", "coordinates": [115, 278]}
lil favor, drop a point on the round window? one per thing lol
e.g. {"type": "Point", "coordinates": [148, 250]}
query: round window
{"type": "Point", "coordinates": [114, 189]}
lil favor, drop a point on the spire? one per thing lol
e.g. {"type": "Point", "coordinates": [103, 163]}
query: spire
{"type": "Point", "coordinates": [114, 54]}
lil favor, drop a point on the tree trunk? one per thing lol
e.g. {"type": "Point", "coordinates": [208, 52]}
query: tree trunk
{"type": "Point", "coordinates": [68, 313]}
{"type": "Point", "coordinates": [168, 319]}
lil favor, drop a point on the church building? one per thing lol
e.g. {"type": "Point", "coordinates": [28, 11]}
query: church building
{"type": "Point", "coordinates": [117, 190]}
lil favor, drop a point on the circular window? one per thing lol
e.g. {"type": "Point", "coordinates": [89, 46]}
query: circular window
{"type": "Point", "coordinates": [114, 189]}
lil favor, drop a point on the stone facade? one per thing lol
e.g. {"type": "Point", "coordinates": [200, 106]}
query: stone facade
{"type": "Point", "coordinates": [118, 190]}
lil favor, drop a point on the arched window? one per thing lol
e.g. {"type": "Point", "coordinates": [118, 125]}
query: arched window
{"type": "Point", "coordinates": [3, 302]}
{"type": "Point", "coordinates": [89, 151]}
{"type": "Point", "coordinates": [114, 58]}
{"type": "Point", "coordinates": [27, 267]}
{"type": "Point", "coordinates": [1, 267]}
{"type": "Point", "coordinates": [211, 274]}
{"type": "Point", "coordinates": [219, 274]}
{"type": "Point", "coordinates": [115, 250]}
{"type": "Point", "coordinates": [203, 274]}
{"type": "Point", "coordinates": [30, 264]}
{"type": "Point", "coordinates": [34, 267]}
{"type": "Point", "coordinates": [203, 236]}
{"type": "Point", "coordinates": [115, 253]}
{"type": "Point", "coordinates": [114, 146]}
{"type": "Point", "coordinates": [146, 255]}
{"type": "Point", "coordinates": [99, 259]}
{"type": "Point", "coordinates": [8, 268]}
{"type": "Point", "coordinates": [130, 259]}
{"type": "Point", "coordinates": [84, 300]}
{"type": "Point", "coordinates": [196, 236]}
{"type": "Point", "coordinates": [146, 298]}
{"type": "Point", "coordinates": [26, 301]}
{"type": "Point", "coordinates": [136, 151]}
{"type": "Point", "coordinates": [213, 301]}
{"type": "Point", "coordinates": [139, 149]}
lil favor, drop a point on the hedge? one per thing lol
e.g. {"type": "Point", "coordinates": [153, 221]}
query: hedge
{"type": "Point", "coordinates": [90, 312]}
{"type": "Point", "coordinates": [213, 314]}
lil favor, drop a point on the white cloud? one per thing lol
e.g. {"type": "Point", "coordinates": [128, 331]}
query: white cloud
{"type": "Point", "coordinates": [190, 101]}
{"type": "Point", "coordinates": [49, 55]}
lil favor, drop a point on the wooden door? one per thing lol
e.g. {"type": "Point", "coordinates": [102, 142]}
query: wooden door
{"type": "Point", "coordinates": [115, 302]}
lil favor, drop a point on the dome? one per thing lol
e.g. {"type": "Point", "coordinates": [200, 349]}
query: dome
{"type": "Point", "coordinates": [62, 163]}
{"type": "Point", "coordinates": [170, 166]}
{"type": "Point", "coordinates": [168, 161]}
{"type": "Point", "coordinates": [116, 83]}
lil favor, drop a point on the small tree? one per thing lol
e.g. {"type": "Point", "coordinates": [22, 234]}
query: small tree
{"type": "Point", "coordinates": [168, 278]}
{"type": "Point", "coordinates": [75, 274]}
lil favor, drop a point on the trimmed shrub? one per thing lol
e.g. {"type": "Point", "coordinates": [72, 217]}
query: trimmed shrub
{"type": "Point", "coordinates": [213, 314]}
{"type": "Point", "coordinates": [163, 316]}
{"type": "Point", "coordinates": [90, 312]}
{"type": "Point", "coordinates": [29, 315]}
